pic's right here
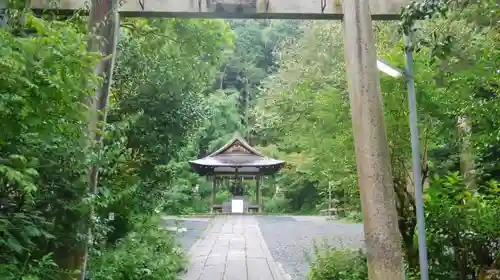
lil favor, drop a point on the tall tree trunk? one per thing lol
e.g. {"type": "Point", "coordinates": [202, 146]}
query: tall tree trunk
{"type": "Point", "coordinates": [466, 149]}
{"type": "Point", "coordinates": [104, 23]}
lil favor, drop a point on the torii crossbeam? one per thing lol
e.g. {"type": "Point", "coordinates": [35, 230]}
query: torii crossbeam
{"type": "Point", "coordinates": [269, 9]}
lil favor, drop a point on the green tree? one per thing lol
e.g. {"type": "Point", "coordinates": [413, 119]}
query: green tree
{"type": "Point", "coordinates": [163, 72]}
{"type": "Point", "coordinates": [304, 111]}
{"type": "Point", "coordinates": [44, 86]}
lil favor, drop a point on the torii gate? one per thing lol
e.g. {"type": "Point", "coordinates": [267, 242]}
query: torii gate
{"type": "Point", "coordinates": [385, 258]}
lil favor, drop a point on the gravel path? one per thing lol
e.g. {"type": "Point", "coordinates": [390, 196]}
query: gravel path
{"type": "Point", "coordinates": [290, 239]}
{"type": "Point", "coordinates": [194, 228]}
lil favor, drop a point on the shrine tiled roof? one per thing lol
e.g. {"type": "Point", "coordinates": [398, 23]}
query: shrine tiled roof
{"type": "Point", "coordinates": [238, 153]}
{"type": "Point", "coordinates": [237, 160]}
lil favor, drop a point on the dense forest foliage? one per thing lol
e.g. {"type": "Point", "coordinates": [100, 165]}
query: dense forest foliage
{"type": "Point", "coordinates": [181, 89]}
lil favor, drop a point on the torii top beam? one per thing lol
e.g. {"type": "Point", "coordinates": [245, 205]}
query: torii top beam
{"type": "Point", "coordinates": [271, 9]}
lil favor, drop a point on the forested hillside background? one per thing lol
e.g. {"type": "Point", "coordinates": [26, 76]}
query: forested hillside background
{"type": "Point", "coordinates": [182, 88]}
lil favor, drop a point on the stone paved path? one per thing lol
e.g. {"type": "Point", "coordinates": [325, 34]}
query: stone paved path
{"type": "Point", "coordinates": [232, 249]}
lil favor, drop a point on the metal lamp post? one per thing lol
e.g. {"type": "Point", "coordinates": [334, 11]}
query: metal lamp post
{"type": "Point", "coordinates": [407, 74]}
{"type": "Point", "coordinates": [3, 12]}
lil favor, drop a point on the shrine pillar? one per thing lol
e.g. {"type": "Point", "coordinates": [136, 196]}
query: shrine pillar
{"type": "Point", "coordinates": [258, 194]}
{"type": "Point", "coordinates": [214, 192]}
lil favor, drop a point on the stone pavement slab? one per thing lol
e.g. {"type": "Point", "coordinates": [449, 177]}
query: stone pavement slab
{"type": "Point", "coordinates": [232, 249]}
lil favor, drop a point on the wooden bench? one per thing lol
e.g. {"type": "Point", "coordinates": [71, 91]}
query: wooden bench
{"type": "Point", "coordinates": [328, 212]}
{"type": "Point", "coordinates": [335, 211]}
{"type": "Point", "coordinates": [254, 208]}
{"type": "Point", "coordinates": [217, 208]}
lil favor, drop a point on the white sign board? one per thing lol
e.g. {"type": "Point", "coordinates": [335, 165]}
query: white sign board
{"type": "Point", "coordinates": [237, 206]}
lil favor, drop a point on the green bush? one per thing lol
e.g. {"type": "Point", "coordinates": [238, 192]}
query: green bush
{"type": "Point", "coordinates": [200, 205]}
{"type": "Point", "coordinates": [335, 264]}
{"type": "Point", "coordinates": [148, 253]}
{"type": "Point", "coordinates": [276, 204]}
{"type": "Point", "coordinates": [462, 226]}
{"type": "Point", "coordinates": [222, 197]}
{"type": "Point", "coordinates": [44, 85]}
{"type": "Point", "coordinates": [355, 216]}
{"type": "Point", "coordinates": [44, 268]}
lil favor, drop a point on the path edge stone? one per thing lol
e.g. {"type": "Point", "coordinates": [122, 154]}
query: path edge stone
{"type": "Point", "coordinates": [189, 253]}
{"type": "Point", "coordinates": [277, 273]}
{"type": "Point", "coordinates": [202, 236]}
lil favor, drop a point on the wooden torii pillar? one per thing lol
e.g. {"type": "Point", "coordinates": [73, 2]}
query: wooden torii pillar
{"type": "Point", "coordinates": [378, 199]}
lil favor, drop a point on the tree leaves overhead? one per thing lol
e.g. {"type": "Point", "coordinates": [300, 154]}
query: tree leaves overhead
{"type": "Point", "coordinates": [162, 78]}
{"type": "Point", "coordinates": [304, 110]}
{"type": "Point", "coordinates": [297, 111]}
{"type": "Point", "coordinates": [253, 58]}
{"type": "Point", "coordinates": [159, 110]}
{"type": "Point", "coordinates": [303, 116]}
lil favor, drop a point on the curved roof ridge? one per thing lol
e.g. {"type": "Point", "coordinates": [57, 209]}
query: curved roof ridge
{"type": "Point", "coordinates": [243, 142]}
